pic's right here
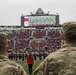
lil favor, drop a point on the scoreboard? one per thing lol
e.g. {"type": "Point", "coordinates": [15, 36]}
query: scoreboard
{"type": "Point", "coordinates": [39, 20]}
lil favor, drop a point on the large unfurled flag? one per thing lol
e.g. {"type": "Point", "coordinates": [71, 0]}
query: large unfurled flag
{"type": "Point", "coordinates": [26, 19]}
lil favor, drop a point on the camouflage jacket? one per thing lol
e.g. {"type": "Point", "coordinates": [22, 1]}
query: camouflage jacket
{"type": "Point", "coordinates": [61, 62]}
{"type": "Point", "coordinates": [8, 67]}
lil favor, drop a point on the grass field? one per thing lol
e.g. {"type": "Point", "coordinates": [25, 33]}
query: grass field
{"type": "Point", "coordinates": [25, 66]}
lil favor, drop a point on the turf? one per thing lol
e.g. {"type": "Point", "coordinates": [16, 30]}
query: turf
{"type": "Point", "coordinates": [25, 66]}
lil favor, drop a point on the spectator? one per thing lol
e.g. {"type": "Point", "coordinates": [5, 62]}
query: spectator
{"type": "Point", "coordinates": [62, 61]}
{"type": "Point", "coordinates": [8, 67]}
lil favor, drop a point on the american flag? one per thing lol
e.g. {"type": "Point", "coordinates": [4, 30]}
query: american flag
{"type": "Point", "coordinates": [26, 19]}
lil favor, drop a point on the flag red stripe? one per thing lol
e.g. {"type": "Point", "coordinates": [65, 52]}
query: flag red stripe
{"type": "Point", "coordinates": [25, 19]}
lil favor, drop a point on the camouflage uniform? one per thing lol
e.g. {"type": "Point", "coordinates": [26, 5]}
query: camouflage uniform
{"type": "Point", "coordinates": [62, 61]}
{"type": "Point", "coordinates": [8, 67]}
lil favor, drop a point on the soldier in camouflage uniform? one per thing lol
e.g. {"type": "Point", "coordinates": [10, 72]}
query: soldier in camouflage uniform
{"type": "Point", "coordinates": [8, 67]}
{"type": "Point", "coordinates": [63, 61]}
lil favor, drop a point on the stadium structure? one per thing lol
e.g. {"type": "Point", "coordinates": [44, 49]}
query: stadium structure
{"type": "Point", "coordinates": [37, 31]}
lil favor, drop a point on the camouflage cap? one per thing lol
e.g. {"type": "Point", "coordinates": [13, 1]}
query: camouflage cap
{"type": "Point", "coordinates": [3, 39]}
{"type": "Point", "coordinates": [69, 30]}
{"type": "Point", "coordinates": [69, 27]}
